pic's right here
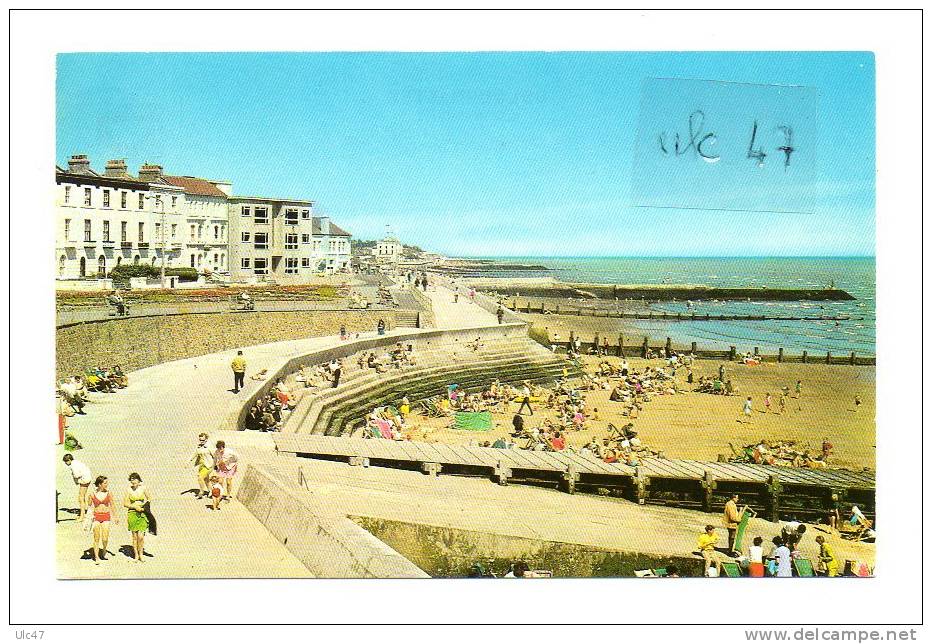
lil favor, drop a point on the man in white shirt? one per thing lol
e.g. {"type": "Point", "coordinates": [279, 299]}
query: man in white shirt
{"type": "Point", "coordinates": [81, 474]}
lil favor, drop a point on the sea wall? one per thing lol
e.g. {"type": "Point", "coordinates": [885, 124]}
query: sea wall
{"type": "Point", "coordinates": [451, 552]}
{"type": "Point", "coordinates": [139, 342]}
{"type": "Point", "coordinates": [328, 545]}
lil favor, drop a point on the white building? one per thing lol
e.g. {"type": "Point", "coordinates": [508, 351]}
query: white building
{"type": "Point", "coordinates": [114, 218]}
{"type": "Point", "coordinates": [388, 249]}
{"type": "Point", "coordinates": [106, 220]}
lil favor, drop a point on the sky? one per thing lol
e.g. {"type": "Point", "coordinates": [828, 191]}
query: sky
{"type": "Point", "coordinates": [508, 154]}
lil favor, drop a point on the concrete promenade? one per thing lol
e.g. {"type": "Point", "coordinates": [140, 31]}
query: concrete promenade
{"type": "Point", "coordinates": [151, 428]}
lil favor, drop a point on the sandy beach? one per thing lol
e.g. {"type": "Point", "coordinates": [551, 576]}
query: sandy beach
{"type": "Point", "coordinates": [700, 426]}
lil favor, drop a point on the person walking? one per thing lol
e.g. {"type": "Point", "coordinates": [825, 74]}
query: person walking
{"type": "Point", "coordinates": [336, 370]}
{"type": "Point", "coordinates": [500, 314]}
{"type": "Point", "coordinates": [799, 395]}
{"type": "Point", "coordinates": [721, 372]}
{"type": "Point", "coordinates": [137, 521]}
{"type": "Point", "coordinates": [526, 399]}
{"type": "Point", "coordinates": [81, 474]}
{"type": "Point", "coordinates": [104, 512]}
{"type": "Point", "coordinates": [732, 517]}
{"type": "Point", "coordinates": [203, 464]}
{"type": "Point", "coordinates": [225, 461]}
{"type": "Point", "coordinates": [747, 409]}
{"type": "Point", "coordinates": [239, 371]}
{"type": "Point", "coordinates": [380, 327]}
{"type": "Point", "coordinates": [342, 332]}
{"type": "Point", "coordinates": [781, 555]}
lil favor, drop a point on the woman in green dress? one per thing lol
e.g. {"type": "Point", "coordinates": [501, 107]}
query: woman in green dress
{"type": "Point", "coordinates": [137, 522]}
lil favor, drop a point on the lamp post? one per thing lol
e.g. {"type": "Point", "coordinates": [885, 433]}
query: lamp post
{"type": "Point", "coordinates": [158, 200]}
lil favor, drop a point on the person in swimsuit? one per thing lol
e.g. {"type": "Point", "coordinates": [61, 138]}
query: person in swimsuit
{"type": "Point", "coordinates": [136, 520]}
{"type": "Point", "coordinates": [103, 511]}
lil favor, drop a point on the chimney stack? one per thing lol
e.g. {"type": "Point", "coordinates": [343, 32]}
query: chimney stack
{"type": "Point", "coordinates": [324, 225]}
{"type": "Point", "coordinates": [116, 168]}
{"type": "Point", "coordinates": [79, 164]}
{"type": "Point", "coordinates": [150, 172]}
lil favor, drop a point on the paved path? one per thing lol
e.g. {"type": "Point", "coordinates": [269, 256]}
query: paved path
{"type": "Point", "coordinates": [151, 428]}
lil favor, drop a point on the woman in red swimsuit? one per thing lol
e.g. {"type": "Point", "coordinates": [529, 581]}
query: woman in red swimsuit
{"type": "Point", "coordinates": [103, 510]}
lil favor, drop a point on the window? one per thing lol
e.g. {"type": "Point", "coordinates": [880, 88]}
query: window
{"type": "Point", "coordinates": [216, 232]}
{"type": "Point", "coordinates": [106, 231]}
{"type": "Point", "coordinates": [87, 196]}
{"type": "Point", "coordinates": [158, 231]}
{"type": "Point", "coordinates": [246, 212]}
{"type": "Point", "coordinates": [174, 230]}
{"type": "Point", "coordinates": [216, 257]}
{"type": "Point", "coordinates": [200, 232]}
{"type": "Point", "coordinates": [305, 214]}
{"type": "Point", "coordinates": [67, 230]}
{"type": "Point", "coordinates": [261, 240]}
{"type": "Point", "coordinates": [291, 265]}
{"type": "Point", "coordinates": [223, 259]}
{"type": "Point", "coordinates": [244, 262]}
{"type": "Point", "coordinates": [174, 201]}
{"type": "Point", "coordinates": [67, 194]}
{"type": "Point", "coordinates": [291, 217]}
{"type": "Point", "coordinates": [291, 242]}
{"type": "Point", "coordinates": [193, 229]}
{"type": "Point", "coordinates": [123, 231]}
{"type": "Point", "coordinates": [305, 239]}
{"type": "Point", "coordinates": [245, 237]}
{"type": "Point", "coordinates": [61, 265]}
{"type": "Point", "coordinates": [87, 230]}
{"type": "Point", "coordinates": [106, 198]}
{"type": "Point", "coordinates": [305, 262]}
{"type": "Point", "coordinates": [262, 216]}
{"type": "Point", "coordinates": [142, 229]}
{"type": "Point", "coordinates": [142, 201]}
{"type": "Point", "coordinates": [158, 203]}
{"type": "Point", "coordinates": [261, 266]}
{"type": "Point", "coordinates": [192, 260]}
{"type": "Point", "coordinates": [101, 266]}
{"type": "Point", "coordinates": [123, 200]}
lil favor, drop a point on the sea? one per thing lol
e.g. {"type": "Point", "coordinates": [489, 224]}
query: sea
{"type": "Point", "coordinates": [856, 275]}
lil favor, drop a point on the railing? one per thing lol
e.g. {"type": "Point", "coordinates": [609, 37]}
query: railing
{"type": "Point", "coordinates": [126, 244]}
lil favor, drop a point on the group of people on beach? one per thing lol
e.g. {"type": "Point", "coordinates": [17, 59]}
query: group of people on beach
{"type": "Point", "coordinates": [778, 562]}
{"type": "Point", "coordinates": [98, 509]}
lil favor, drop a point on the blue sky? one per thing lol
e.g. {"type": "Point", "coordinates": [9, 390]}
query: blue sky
{"type": "Point", "coordinates": [500, 153]}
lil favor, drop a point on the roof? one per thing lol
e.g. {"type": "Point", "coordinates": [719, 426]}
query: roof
{"type": "Point", "coordinates": [391, 239]}
{"type": "Point", "coordinates": [272, 200]}
{"type": "Point", "coordinates": [195, 186]}
{"type": "Point", "coordinates": [335, 230]}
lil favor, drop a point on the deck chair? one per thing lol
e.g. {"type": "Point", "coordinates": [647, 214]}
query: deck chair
{"type": "Point", "coordinates": [803, 568]}
{"type": "Point", "coordinates": [746, 515]}
{"type": "Point", "coordinates": [731, 569]}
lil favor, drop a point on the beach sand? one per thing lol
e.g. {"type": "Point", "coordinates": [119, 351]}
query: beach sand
{"type": "Point", "coordinates": [700, 426]}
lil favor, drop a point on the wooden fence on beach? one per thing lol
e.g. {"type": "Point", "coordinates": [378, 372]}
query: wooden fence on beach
{"type": "Point", "coordinates": [627, 347]}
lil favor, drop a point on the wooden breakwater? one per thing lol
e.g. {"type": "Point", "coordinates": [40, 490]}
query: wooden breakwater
{"type": "Point", "coordinates": [559, 309]}
{"type": "Point", "coordinates": [628, 347]}
{"type": "Point", "coordinates": [678, 293]}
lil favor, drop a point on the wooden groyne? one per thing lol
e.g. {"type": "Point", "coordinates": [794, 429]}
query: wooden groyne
{"type": "Point", "coordinates": [559, 309]}
{"type": "Point", "coordinates": [677, 293]}
{"type": "Point", "coordinates": [774, 492]}
{"type": "Point", "coordinates": [628, 347]}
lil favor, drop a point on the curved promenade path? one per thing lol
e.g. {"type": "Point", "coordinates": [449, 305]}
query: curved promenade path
{"type": "Point", "coordinates": [151, 428]}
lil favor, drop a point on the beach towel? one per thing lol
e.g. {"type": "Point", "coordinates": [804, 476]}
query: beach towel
{"type": "Point", "coordinates": [480, 421]}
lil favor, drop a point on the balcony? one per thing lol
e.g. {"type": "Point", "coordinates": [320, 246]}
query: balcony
{"type": "Point", "coordinates": [143, 244]}
{"type": "Point", "coordinates": [90, 242]}
{"type": "Point", "coordinates": [108, 243]}
{"type": "Point", "coordinates": [126, 244]}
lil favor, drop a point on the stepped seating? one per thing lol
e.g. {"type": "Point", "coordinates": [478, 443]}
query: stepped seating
{"type": "Point", "coordinates": [355, 379]}
{"type": "Point", "coordinates": [338, 411]}
{"type": "Point", "coordinates": [352, 413]}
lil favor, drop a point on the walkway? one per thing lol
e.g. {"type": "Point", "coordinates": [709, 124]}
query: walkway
{"type": "Point", "coordinates": [151, 428]}
{"type": "Point", "coordinates": [463, 314]}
